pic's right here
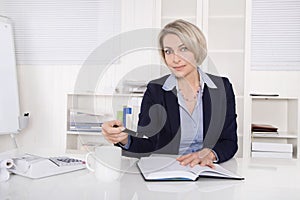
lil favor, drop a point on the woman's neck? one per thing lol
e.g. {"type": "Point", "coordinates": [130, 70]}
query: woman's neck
{"type": "Point", "coordinates": [192, 81]}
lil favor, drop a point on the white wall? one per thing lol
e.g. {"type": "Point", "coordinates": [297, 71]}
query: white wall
{"type": "Point", "coordinates": [43, 92]}
{"type": "Point", "coordinates": [284, 83]}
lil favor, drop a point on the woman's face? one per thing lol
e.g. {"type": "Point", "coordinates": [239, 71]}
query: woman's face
{"type": "Point", "coordinates": [179, 59]}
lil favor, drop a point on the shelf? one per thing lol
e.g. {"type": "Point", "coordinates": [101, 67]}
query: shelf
{"type": "Point", "coordinates": [281, 112]}
{"type": "Point", "coordinates": [225, 51]}
{"type": "Point", "coordinates": [280, 135]}
{"type": "Point", "coordinates": [84, 133]}
{"type": "Point", "coordinates": [226, 16]}
{"type": "Point", "coordinates": [273, 98]}
{"type": "Point", "coordinates": [174, 17]}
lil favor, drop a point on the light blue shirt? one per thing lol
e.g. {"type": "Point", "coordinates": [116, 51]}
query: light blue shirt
{"type": "Point", "coordinates": [191, 123]}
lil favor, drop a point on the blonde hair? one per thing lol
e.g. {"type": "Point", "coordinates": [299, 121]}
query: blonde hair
{"type": "Point", "coordinates": [189, 34]}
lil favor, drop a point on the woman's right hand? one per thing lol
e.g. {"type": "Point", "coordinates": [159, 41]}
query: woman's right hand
{"type": "Point", "coordinates": [114, 134]}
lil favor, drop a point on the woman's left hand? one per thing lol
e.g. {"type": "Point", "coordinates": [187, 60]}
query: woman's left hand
{"type": "Point", "coordinates": [205, 157]}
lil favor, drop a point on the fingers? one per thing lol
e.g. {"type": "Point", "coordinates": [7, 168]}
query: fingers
{"type": "Point", "coordinates": [108, 127]}
{"type": "Point", "coordinates": [114, 134]}
{"type": "Point", "coordinates": [201, 157]}
{"type": "Point", "coordinates": [181, 158]}
{"type": "Point", "coordinates": [186, 159]}
{"type": "Point", "coordinates": [208, 163]}
{"type": "Point", "coordinates": [116, 138]}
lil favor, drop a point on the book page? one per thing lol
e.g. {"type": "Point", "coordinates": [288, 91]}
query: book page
{"type": "Point", "coordinates": [167, 168]}
{"type": "Point", "coordinates": [164, 168]}
{"type": "Point", "coordinates": [219, 171]}
{"type": "Point", "coordinates": [154, 164]}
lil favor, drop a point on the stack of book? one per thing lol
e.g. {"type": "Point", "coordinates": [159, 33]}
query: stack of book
{"type": "Point", "coordinates": [271, 150]}
{"type": "Point", "coordinates": [80, 121]}
{"type": "Point", "coordinates": [263, 130]}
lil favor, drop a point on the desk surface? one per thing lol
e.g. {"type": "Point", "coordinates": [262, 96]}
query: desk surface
{"type": "Point", "coordinates": [264, 179]}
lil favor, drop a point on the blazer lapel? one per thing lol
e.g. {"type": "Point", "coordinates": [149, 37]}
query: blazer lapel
{"type": "Point", "coordinates": [173, 120]}
{"type": "Point", "coordinates": [206, 109]}
{"type": "Point", "coordinates": [172, 110]}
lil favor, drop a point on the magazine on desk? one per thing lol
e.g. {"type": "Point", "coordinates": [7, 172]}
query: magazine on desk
{"type": "Point", "coordinates": [169, 169]}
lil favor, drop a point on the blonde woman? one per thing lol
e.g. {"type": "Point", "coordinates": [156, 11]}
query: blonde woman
{"type": "Point", "coordinates": [188, 113]}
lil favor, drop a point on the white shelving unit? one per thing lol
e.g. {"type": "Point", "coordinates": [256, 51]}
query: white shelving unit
{"type": "Point", "coordinates": [177, 9]}
{"type": "Point", "coordinates": [224, 27]}
{"type": "Point", "coordinates": [281, 112]}
{"type": "Point", "coordinates": [104, 105]}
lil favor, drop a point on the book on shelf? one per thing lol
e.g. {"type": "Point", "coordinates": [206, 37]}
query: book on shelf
{"type": "Point", "coordinates": [271, 147]}
{"type": "Point", "coordinates": [156, 168]}
{"type": "Point", "coordinates": [85, 129]}
{"type": "Point", "coordinates": [263, 95]}
{"type": "Point", "coordinates": [263, 128]}
{"type": "Point", "coordinates": [85, 118]}
{"type": "Point", "coordinates": [86, 124]}
{"type": "Point", "coordinates": [127, 116]}
{"type": "Point", "coordinates": [261, 133]}
{"type": "Point", "coordinates": [133, 86]}
{"type": "Point", "coordinates": [89, 127]}
{"type": "Point", "coordinates": [83, 121]}
{"type": "Point", "coordinates": [262, 154]}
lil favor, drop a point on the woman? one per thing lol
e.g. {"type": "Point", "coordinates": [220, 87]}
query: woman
{"type": "Point", "coordinates": [188, 112]}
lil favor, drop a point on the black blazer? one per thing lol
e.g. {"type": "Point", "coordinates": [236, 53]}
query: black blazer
{"type": "Point", "coordinates": [159, 120]}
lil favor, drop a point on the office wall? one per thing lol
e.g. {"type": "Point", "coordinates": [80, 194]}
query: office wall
{"type": "Point", "coordinates": [43, 92]}
{"type": "Point", "coordinates": [284, 83]}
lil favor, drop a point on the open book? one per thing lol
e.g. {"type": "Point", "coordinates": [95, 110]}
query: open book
{"type": "Point", "coordinates": [169, 169]}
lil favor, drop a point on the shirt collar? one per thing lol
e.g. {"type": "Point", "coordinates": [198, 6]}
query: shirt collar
{"type": "Point", "coordinates": [171, 81]}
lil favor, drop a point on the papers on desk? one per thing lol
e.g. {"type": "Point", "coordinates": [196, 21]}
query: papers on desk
{"type": "Point", "coordinates": [156, 168]}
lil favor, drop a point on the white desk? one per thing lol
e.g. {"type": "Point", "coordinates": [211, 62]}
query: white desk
{"type": "Point", "coordinates": [264, 179]}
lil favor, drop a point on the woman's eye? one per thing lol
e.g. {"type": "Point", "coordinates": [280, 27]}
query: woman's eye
{"type": "Point", "coordinates": [183, 49]}
{"type": "Point", "coordinates": [167, 51]}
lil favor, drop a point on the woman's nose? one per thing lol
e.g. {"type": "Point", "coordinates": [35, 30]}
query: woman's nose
{"type": "Point", "coordinates": [176, 58]}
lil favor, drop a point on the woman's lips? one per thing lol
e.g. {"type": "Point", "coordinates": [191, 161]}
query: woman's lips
{"type": "Point", "coordinates": [179, 68]}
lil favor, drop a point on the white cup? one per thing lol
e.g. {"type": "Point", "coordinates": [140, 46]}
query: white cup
{"type": "Point", "coordinates": [107, 161]}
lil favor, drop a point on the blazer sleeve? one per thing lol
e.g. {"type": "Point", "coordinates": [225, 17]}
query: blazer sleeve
{"type": "Point", "coordinates": [227, 145]}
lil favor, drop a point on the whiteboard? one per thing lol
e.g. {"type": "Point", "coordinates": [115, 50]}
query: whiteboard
{"type": "Point", "coordinates": [9, 96]}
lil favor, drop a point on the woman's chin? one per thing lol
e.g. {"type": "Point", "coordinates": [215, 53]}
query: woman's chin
{"type": "Point", "coordinates": [179, 74]}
